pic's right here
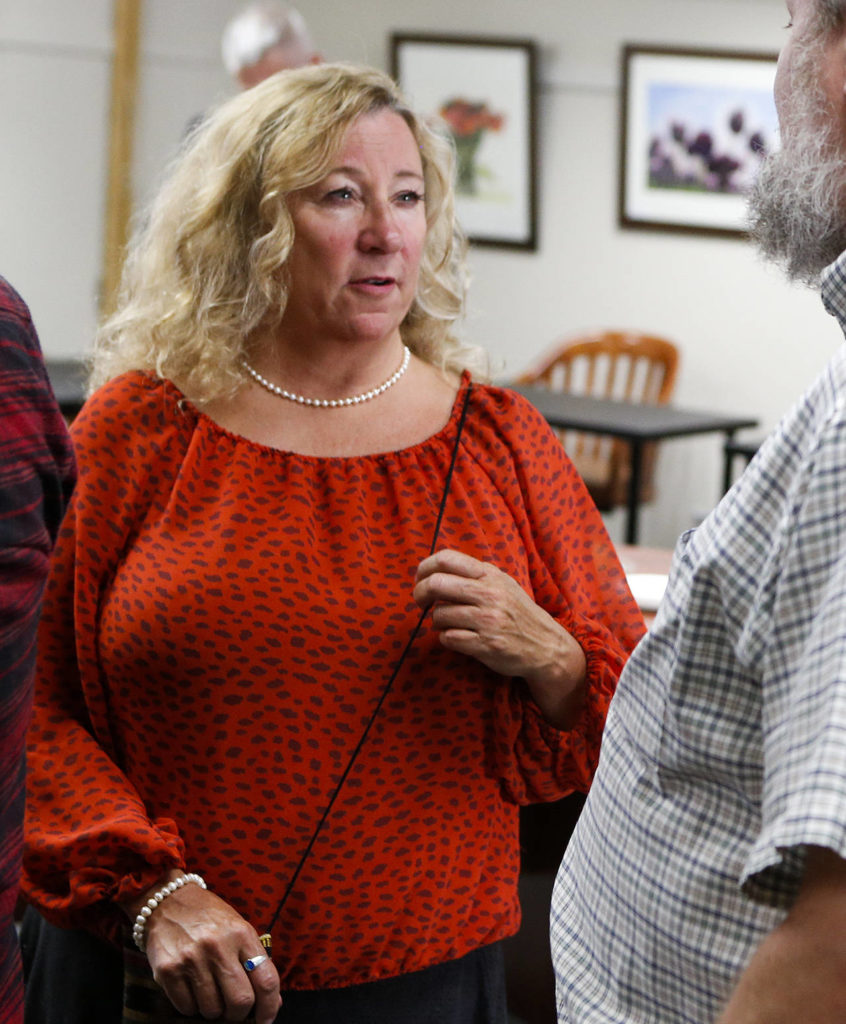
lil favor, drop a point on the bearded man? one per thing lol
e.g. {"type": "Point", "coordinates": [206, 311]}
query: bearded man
{"type": "Point", "coordinates": [706, 878]}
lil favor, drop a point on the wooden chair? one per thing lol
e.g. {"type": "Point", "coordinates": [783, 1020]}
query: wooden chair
{"type": "Point", "coordinates": [611, 364]}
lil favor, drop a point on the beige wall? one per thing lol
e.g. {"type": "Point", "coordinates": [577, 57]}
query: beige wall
{"type": "Point", "coordinates": [749, 341]}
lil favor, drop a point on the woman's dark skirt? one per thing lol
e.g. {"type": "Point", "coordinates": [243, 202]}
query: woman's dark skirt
{"type": "Point", "coordinates": [74, 978]}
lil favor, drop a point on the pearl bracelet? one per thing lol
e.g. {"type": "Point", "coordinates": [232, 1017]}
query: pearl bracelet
{"type": "Point", "coordinates": [154, 901]}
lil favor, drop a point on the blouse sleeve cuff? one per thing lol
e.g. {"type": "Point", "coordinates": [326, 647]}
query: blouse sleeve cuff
{"type": "Point", "coordinates": [94, 893]}
{"type": "Point", "coordinates": [169, 853]}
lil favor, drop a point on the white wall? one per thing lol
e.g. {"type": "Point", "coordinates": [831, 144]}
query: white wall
{"type": "Point", "coordinates": [749, 341]}
{"type": "Point", "coordinates": [54, 68]}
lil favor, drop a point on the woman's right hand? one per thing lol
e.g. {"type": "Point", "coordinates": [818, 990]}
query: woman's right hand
{"type": "Point", "coordinates": [197, 944]}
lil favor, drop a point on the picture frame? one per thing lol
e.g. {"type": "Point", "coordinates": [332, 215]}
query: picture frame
{"type": "Point", "coordinates": [483, 91]}
{"type": "Point", "coordinates": [694, 126]}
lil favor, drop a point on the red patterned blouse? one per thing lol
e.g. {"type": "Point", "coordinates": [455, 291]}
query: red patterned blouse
{"type": "Point", "coordinates": [220, 620]}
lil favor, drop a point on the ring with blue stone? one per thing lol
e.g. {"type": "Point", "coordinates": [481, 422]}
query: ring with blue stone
{"type": "Point", "coordinates": [254, 962]}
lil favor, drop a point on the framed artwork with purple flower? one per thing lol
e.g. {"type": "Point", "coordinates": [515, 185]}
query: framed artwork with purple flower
{"type": "Point", "coordinates": [695, 125]}
{"type": "Point", "coordinates": [482, 91]}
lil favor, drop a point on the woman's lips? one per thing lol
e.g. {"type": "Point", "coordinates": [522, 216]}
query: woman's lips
{"type": "Point", "coordinates": [374, 283]}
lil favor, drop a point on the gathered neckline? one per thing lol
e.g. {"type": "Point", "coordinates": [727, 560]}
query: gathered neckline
{"type": "Point", "coordinates": [443, 435]}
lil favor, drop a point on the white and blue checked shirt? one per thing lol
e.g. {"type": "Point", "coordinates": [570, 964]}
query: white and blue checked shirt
{"type": "Point", "coordinates": [725, 748]}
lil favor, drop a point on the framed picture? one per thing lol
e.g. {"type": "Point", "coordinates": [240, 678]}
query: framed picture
{"type": "Point", "coordinates": [695, 125]}
{"type": "Point", "coordinates": [483, 91]}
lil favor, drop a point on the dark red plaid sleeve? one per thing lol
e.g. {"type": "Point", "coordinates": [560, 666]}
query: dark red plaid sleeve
{"type": "Point", "coordinates": [36, 477]}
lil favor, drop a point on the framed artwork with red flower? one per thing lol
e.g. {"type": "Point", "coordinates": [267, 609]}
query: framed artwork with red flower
{"type": "Point", "coordinates": [482, 92]}
{"type": "Point", "coordinates": [695, 127]}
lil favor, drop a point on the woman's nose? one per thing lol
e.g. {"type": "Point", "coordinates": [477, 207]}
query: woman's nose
{"type": "Point", "coordinates": [380, 230]}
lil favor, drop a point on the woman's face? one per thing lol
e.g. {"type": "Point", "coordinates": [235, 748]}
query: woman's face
{"type": "Point", "coordinates": [358, 237]}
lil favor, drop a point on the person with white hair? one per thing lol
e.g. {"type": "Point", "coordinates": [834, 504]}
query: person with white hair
{"type": "Point", "coordinates": [264, 38]}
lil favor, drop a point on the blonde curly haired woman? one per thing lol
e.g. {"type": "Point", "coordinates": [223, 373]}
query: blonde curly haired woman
{"type": "Point", "coordinates": [338, 606]}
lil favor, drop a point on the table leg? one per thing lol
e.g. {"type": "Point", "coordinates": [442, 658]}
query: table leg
{"type": "Point", "coordinates": [728, 457]}
{"type": "Point", "coordinates": [634, 491]}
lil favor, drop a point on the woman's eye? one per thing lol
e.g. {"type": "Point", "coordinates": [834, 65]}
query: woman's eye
{"type": "Point", "coordinates": [410, 197]}
{"type": "Point", "coordinates": [340, 194]}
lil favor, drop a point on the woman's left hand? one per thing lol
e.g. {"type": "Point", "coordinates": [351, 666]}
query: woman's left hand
{"type": "Point", "coordinates": [481, 611]}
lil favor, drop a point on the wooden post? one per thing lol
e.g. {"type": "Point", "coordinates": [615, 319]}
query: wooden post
{"type": "Point", "coordinates": [127, 20]}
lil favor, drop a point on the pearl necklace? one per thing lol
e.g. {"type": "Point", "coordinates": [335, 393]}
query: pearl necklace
{"type": "Point", "coordinates": [327, 403]}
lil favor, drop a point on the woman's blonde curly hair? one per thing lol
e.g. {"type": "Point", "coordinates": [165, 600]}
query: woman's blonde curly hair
{"type": "Point", "coordinates": [202, 272]}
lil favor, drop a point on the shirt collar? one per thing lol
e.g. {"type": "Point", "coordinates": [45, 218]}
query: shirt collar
{"type": "Point", "coordinates": [833, 289]}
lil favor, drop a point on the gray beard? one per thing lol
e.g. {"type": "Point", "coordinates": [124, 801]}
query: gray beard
{"type": "Point", "coordinates": [797, 207]}
{"type": "Point", "coordinates": [796, 217]}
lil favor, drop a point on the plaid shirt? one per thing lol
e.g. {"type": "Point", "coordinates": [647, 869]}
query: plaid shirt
{"type": "Point", "coordinates": [724, 753]}
{"type": "Point", "coordinates": [36, 475]}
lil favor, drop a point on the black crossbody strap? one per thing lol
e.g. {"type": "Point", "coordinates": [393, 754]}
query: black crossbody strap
{"type": "Point", "coordinates": [387, 689]}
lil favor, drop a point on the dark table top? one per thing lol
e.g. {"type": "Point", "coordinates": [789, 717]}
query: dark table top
{"type": "Point", "coordinates": [630, 421]}
{"type": "Point", "coordinates": [67, 377]}
{"type": "Point", "coordinates": [627, 420]}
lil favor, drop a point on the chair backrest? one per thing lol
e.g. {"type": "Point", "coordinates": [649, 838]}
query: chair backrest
{"type": "Point", "coordinates": [624, 365]}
